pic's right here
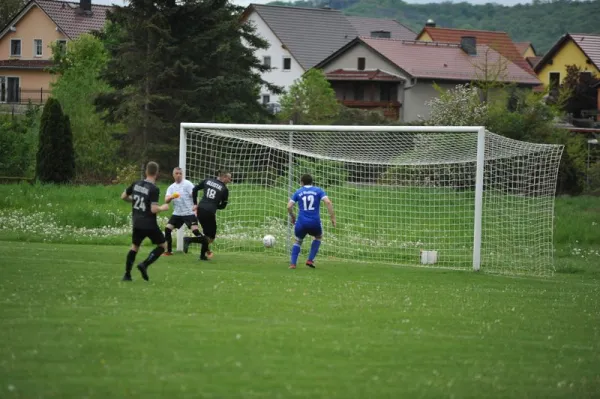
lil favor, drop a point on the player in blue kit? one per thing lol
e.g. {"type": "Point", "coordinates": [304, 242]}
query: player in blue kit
{"type": "Point", "coordinates": [309, 199]}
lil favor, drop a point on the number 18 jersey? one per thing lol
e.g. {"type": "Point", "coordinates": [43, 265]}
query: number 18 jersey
{"type": "Point", "coordinates": [144, 194]}
{"type": "Point", "coordinates": [309, 203]}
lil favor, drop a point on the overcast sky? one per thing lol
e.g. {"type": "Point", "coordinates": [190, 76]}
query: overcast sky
{"type": "Point", "coordinates": [121, 2]}
{"type": "Point", "coordinates": [246, 2]}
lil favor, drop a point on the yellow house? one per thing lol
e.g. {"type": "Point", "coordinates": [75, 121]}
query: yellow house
{"type": "Point", "coordinates": [571, 49]}
{"type": "Point", "coordinates": [25, 52]}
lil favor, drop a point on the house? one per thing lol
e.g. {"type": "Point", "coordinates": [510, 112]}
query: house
{"type": "Point", "coordinates": [299, 38]}
{"type": "Point", "coordinates": [582, 50]}
{"type": "Point", "coordinates": [398, 76]}
{"type": "Point", "coordinates": [25, 42]}
{"type": "Point", "coordinates": [528, 52]}
{"type": "Point", "coordinates": [499, 41]}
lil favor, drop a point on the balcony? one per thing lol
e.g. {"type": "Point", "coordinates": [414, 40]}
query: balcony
{"type": "Point", "coordinates": [390, 109]}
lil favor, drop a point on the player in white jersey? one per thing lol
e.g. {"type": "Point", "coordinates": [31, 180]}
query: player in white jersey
{"type": "Point", "coordinates": [180, 193]}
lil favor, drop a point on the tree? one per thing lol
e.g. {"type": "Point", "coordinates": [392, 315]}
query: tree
{"type": "Point", "coordinates": [460, 106]}
{"type": "Point", "coordinates": [581, 91]}
{"type": "Point", "coordinates": [8, 9]}
{"type": "Point", "coordinates": [55, 157]}
{"type": "Point", "coordinates": [180, 61]}
{"type": "Point", "coordinates": [491, 72]}
{"type": "Point", "coordinates": [310, 101]}
{"type": "Point", "coordinates": [76, 87]}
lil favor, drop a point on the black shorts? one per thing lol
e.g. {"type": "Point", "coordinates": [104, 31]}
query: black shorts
{"type": "Point", "coordinates": [155, 235]}
{"type": "Point", "coordinates": [177, 221]}
{"type": "Point", "coordinates": [208, 221]}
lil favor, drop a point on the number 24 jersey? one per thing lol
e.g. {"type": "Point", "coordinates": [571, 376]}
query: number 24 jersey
{"type": "Point", "coordinates": [144, 194]}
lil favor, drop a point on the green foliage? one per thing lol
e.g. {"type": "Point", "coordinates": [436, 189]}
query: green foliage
{"type": "Point", "coordinates": [540, 22]}
{"type": "Point", "coordinates": [324, 173]}
{"type": "Point", "coordinates": [55, 156]}
{"type": "Point", "coordinates": [310, 101]}
{"type": "Point", "coordinates": [127, 173]}
{"type": "Point", "coordinates": [76, 87]}
{"type": "Point", "coordinates": [18, 142]}
{"type": "Point", "coordinates": [581, 89]}
{"type": "Point", "coordinates": [179, 61]}
{"type": "Point", "coordinates": [360, 117]}
{"type": "Point", "coordinates": [460, 106]}
{"type": "Point", "coordinates": [8, 9]}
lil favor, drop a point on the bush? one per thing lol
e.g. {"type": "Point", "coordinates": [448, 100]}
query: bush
{"type": "Point", "coordinates": [18, 143]}
{"type": "Point", "coordinates": [55, 157]}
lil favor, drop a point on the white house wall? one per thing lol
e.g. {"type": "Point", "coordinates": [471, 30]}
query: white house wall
{"type": "Point", "coordinates": [349, 61]}
{"type": "Point", "coordinates": [277, 75]}
{"type": "Point", "coordinates": [417, 96]}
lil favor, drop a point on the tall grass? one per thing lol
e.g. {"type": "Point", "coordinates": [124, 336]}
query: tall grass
{"type": "Point", "coordinates": [392, 223]}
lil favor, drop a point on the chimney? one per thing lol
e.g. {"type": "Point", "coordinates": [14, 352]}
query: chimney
{"type": "Point", "coordinates": [381, 34]}
{"type": "Point", "coordinates": [430, 23]}
{"type": "Point", "coordinates": [469, 44]}
{"type": "Point", "coordinates": [85, 5]}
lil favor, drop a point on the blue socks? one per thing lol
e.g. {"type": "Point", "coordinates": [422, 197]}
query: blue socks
{"type": "Point", "coordinates": [314, 249]}
{"type": "Point", "coordinates": [295, 253]}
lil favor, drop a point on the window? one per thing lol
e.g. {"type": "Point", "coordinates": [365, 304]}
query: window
{"type": "Point", "coordinates": [361, 63]}
{"type": "Point", "coordinates": [359, 91]}
{"type": "Point", "coordinates": [554, 78]}
{"type": "Point", "coordinates": [62, 44]}
{"type": "Point", "coordinates": [37, 47]}
{"type": "Point", "coordinates": [9, 89]}
{"type": "Point", "coordinates": [388, 92]}
{"type": "Point", "coordinates": [15, 47]}
{"type": "Point", "coordinates": [287, 63]}
{"type": "Point", "coordinates": [585, 76]}
{"type": "Point", "coordinates": [266, 99]}
{"type": "Point", "coordinates": [267, 61]}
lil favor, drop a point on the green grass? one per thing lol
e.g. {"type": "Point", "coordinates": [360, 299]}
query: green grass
{"type": "Point", "coordinates": [244, 326]}
{"type": "Point", "coordinates": [375, 224]}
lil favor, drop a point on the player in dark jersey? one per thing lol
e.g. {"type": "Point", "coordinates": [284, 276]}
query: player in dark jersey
{"type": "Point", "coordinates": [215, 196]}
{"type": "Point", "coordinates": [143, 195]}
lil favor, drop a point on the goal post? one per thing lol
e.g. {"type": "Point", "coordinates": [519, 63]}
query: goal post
{"type": "Point", "coordinates": [443, 196]}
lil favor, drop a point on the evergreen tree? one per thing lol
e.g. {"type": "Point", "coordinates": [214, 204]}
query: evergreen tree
{"type": "Point", "coordinates": [55, 158]}
{"type": "Point", "coordinates": [180, 61]}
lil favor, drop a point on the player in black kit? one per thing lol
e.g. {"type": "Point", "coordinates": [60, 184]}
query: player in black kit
{"type": "Point", "coordinates": [215, 197]}
{"type": "Point", "coordinates": [143, 195]}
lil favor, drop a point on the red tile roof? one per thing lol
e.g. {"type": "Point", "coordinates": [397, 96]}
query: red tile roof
{"type": "Point", "coordinates": [522, 47]}
{"type": "Point", "coordinates": [68, 16]}
{"type": "Point", "coordinates": [533, 61]}
{"type": "Point", "coordinates": [448, 61]}
{"type": "Point", "coordinates": [71, 19]}
{"type": "Point", "coordinates": [24, 64]}
{"type": "Point", "coordinates": [342, 74]}
{"type": "Point", "coordinates": [499, 41]}
{"type": "Point", "coordinates": [588, 43]}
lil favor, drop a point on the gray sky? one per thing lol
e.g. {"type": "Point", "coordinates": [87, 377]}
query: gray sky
{"type": "Point", "coordinates": [121, 2]}
{"type": "Point", "coordinates": [246, 2]}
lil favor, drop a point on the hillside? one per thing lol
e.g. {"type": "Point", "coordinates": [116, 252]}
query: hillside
{"type": "Point", "coordinates": [541, 23]}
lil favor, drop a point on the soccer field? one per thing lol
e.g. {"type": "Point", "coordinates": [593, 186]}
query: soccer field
{"type": "Point", "coordinates": [244, 326]}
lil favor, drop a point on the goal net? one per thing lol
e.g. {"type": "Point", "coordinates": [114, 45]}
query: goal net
{"type": "Point", "coordinates": [453, 197]}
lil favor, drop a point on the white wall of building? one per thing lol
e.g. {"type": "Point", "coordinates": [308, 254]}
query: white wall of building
{"type": "Point", "coordinates": [277, 76]}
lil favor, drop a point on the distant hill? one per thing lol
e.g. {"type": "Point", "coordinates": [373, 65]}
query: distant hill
{"type": "Point", "coordinates": [540, 22]}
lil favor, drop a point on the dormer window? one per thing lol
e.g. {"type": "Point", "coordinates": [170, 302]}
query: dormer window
{"type": "Point", "coordinates": [361, 63]}
{"type": "Point", "coordinates": [15, 47]}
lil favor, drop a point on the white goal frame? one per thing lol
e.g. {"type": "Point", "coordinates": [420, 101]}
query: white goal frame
{"type": "Point", "coordinates": [480, 159]}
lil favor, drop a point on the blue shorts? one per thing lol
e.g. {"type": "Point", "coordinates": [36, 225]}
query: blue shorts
{"type": "Point", "coordinates": [301, 229]}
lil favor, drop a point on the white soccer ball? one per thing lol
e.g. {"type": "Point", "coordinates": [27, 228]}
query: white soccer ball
{"type": "Point", "coordinates": [268, 241]}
